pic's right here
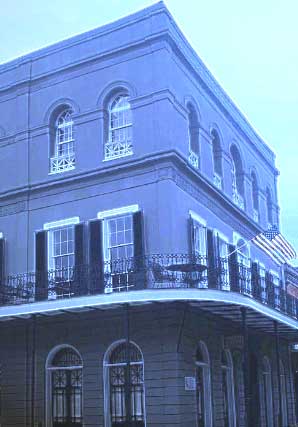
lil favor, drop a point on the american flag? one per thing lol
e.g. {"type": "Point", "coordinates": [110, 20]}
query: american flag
{"type": "Point", "coordinates": [275, 245]}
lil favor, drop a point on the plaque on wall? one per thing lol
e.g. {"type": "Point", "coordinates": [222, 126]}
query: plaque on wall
{"type": "Point", "coordinates": [190, 383]}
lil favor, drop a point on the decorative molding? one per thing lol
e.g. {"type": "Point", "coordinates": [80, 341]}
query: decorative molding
{"type": "Point", "coordinates": [210, 203]}
{"type": "Point", "coordinates": [13, 208]}
{"type": "Point", "coordinates": [118, 211]}
{"type": "Point", "coordinates": [61, 223]}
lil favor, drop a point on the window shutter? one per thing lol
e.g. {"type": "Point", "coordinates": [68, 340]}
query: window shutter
{"type": "Point", "coordinates": [233, 269]}
{"type": "Point", "coordinates": [212, 276]}
{"type": "Point", "coordinates": [270, 288]}
{"type": "Point", "coordinates": [96, 258]}
{"type": "Point", "coordinates": [255, 280]}
{"type": "Point", "coordinates": [139, 274]}
{"type": "Point", "coordinates": [80, 271]}
{"type": "Point", "coordinates": [191, 236]}
{"type": "Point", "coordinates": [2, 260]}
{"type": "Point", "coordinates": [41, 265]}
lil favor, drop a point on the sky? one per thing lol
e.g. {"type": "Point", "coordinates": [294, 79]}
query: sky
{"type": "Point", "coordinates": [250, 48]}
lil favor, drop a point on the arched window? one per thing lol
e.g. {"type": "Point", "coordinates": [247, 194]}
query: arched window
{"type": "Point", "coordinates": [267, 392]}
{"type": "Point", "coordinates": [255, 196]}
{"type": "Point", "coordinates": [228, 389]}
{"type": "Point", "coordinates": [284, 398]}
{"type": "Point", "coordinates": [124, 386]}
{"type": "Point", "coordinates": [119, 143]}
{"type": "Point", "coordinates": [193, 136]}
{"type": "Point", "coordinates": [64, 385]}
{"type": "Point", "coordinates": [217, 161]}
{"type": "Point", "coordinates": [244, 266]}
{"type": "Point", "coordinates": [63, 153]}
{"type": "Point", "coordinates": [269, 207]}
{"type": "Point", "coordinates": [237, 177]}
{"type": "Point", "coordinates": [203, 387]}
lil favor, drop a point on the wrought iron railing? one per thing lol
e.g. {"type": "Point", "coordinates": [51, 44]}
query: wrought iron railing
{"type": "Point", "coordinates": [159, 271]}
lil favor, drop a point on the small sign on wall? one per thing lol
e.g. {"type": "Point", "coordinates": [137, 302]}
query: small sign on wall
{"type": "Point", "coordinates": [190, 383]}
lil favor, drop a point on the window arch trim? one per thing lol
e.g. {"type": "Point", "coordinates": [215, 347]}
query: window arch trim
{"type": "Point", "coordinates": [48, 380]}
{"type": "Point", "coordinates": [106, 380]}
{"type": "Point", "coordinates": [62, 148]}
{"type": "Point", "coordinates": [119, 124]}
{"type": "Point", "coordinates": [206, 373]}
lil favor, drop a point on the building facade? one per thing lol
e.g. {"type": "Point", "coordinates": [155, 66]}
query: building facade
{"type": "Point", "coordinates": [131, 294]}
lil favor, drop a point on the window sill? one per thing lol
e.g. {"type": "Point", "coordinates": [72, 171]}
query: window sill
{"type": "Point", "coordinates": [119, 156]}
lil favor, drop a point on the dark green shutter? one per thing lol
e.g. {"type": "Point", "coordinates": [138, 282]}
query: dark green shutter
{"type": "Point", "coordinates": [212, 274]}
{"type": "Point", "coordinates": [191, 236]}
{"type": "Point", "coordinates": [255, 280]}
{"type": "Point", "coordinates": [41, 265]}
{"type": "Point", "coordinates": [139, 274]}
{"type": "Point", "coordinates": [233, 269]}
{"type": "Point", "coordinates": [270, 288]}
{"type": "Point", "coordinates": [96, 256]}
{"type": "Point", "coordinates": [80, 271]}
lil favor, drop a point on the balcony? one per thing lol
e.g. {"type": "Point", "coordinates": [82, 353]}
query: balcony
{"type": "Point", "coordinates": [160, 271]}
{"type": "Point", "coordinates": [118, 149]}
{"type": "Point", "coordinates": [193, 159]}
{"type": "Point", "coordinates": [256, 215]}
{"type": "Point", "coordinates": [238, 199]}
{"type": "Point", "coordinates": [62, 163]}
{"type": "Point", "coordinates": [217, 181]}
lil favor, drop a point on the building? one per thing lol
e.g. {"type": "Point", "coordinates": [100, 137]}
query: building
{"type": "Point", "coordinates": [130, 292]}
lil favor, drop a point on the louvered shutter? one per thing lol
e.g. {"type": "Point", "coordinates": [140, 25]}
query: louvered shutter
{"type": "Point", "coordinates": [270, 288]}
{"type": "Point", "coordinates": [138, 276]}
{"type": "Point", "coordinates": [80, 271]}
{"type": "Point", "coordinates": [96, 257]}
{"type": "Point", "coordinates": [233, 269]}
{"type": "Point", "coordinates": [191, 236]}
{"type": "Point", "coordinates": [212, 275]}
{"type": "Point", "coordinates": [41, 265]}
{"type": "Point", "coordinates": [255, 280]}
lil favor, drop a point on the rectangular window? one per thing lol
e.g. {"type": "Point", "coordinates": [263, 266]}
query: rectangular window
{"type": "Point", "coordinates": [200, 241]}
{"type": "Point", "coordinates": [223, 252]}
{"type": "Point", "coordinates": [61, 254]}
{"type": "Point", "coordinates": [119, 232]}
{"type": "Point", "coordinates": [118, 244]}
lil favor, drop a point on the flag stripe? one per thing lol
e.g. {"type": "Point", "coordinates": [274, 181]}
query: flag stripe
{"type": "Point", "coordinates": [275, 245]}
{"type": "Point", "coordinates": [266, 246]}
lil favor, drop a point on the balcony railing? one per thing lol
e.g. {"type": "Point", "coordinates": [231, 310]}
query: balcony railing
{"type": "Point", "coordinates": [217, 180]}
{"type": "Point", "coordinates": [118, 149]}
{"type": "Point", "coordinates": [62, 163]}
{"type": "Point", "coordinates": [158, 271]}
{"type": "Point", "coordinates": [193, 159]}
{"type": "Point", "coordinates": [238, 199]}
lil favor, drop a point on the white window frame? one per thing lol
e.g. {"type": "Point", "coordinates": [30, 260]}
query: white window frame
{"type": "Point", "coordinates": [55, 225]}
{"type": "Point", "coordinates": [201, 223]}
{"type": "Point", "coordinates": [63, 162]}
{"type": "Point", "coordinates": [226, 276]}
{"type": "Point", "coordinates": [114, 213]}
{"type": "Point", "coordinates": [48, 388]}
{"type": "Point", "coordinates": [106, 381]}
{"type": "Point", "coordinates": [264, 291]}
{"type": "Point", "coordinates": [117, 149]}
{"type": "Point", "coordinates": [245, 258]}
{"type": "Point", "coordinates": [276, 284]}
{"type": "Point", "coordinates": [105, 215]}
